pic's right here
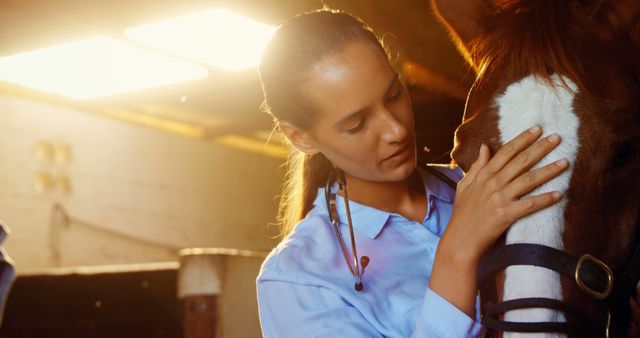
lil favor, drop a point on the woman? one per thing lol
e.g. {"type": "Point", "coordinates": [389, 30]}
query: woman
{"type": "Point", "coordinates": [332, 92]}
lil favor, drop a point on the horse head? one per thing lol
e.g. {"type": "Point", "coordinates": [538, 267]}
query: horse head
{"type": "Point", "coordinates": [572, 67]}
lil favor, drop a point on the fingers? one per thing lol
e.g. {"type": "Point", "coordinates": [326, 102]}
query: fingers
{"type": "Point", "coordinates": [480, 162]}
{"type": "Point", "coordinates": [512, 148]}
{"type": "Point", "coordinates": [529, 205]}
{"type": "Point", "coordinates": [534, 178]}
{"type": "Point", "coordinates": [527, 158]}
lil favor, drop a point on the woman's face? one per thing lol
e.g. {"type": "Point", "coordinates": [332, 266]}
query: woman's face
{"type": "Point", "coordinates": [364, 122]}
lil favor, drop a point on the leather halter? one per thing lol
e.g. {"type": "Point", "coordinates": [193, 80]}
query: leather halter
{"type": "Point", "coordinates": [590, 274]}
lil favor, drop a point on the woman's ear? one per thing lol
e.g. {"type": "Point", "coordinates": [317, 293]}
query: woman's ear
{"type": "Point", "coordinates": [298, 137]}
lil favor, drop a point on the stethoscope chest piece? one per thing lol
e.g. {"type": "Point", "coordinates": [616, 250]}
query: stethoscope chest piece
{"type": "Point", "coordinates": [356, 266]}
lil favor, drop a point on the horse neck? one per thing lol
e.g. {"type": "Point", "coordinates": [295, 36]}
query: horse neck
{"type": "Point", "coordinates": [525, 103]}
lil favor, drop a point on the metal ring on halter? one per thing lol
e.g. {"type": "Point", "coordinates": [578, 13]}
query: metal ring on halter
{"type": "Point", "coordinates": [356, 266]}
{"type": "Point", "coordinates": [594, 293]}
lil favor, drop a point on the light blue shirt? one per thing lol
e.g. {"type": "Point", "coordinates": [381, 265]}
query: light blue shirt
{"type": "Point", "coordinates": [305, 288]}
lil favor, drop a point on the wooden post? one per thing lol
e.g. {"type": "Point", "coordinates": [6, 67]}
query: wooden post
{"type": "Point", "coordinates": [199, 287]}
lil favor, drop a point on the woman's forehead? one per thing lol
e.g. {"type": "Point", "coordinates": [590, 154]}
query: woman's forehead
{"type": "Point", "coordinates": [349, 81]}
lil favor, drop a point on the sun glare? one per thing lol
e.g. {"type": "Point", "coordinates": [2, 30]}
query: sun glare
{"type": "Point", "coordinates": [95, 67]}
{"type": "Point", "coordinates": [217, 37]}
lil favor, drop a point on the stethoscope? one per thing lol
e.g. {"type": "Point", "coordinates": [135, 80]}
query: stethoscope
{"type": "Point", "coordinates": [356, 266]}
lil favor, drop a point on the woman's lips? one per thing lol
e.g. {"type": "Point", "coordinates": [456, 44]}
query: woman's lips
{"type": "Point", "coordinates": [401, 155]}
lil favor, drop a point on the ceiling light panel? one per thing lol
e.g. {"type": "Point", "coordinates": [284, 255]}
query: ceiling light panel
{"type": "Point", "coordinates": [216, 37]}
{"type": "Point", "coordinates": [95, 67]}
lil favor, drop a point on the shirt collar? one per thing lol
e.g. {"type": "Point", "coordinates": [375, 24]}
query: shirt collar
{"type": "Point", "coordinates": [436, 187]}
{"type": "Point", "coordinates": [365, 219]}
{"type": "Point", "coordinates": [369, 220]}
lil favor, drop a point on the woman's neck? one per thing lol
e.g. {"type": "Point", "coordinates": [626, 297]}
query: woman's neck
{"type": "Point", "coordinates": [406, 197]}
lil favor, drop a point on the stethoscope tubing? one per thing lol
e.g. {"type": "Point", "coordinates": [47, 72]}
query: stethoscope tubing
{"type": "Point", "coordinates": [355, 266]}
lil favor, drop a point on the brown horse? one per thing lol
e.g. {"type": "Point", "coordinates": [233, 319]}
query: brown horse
{"type": "Point", "coordinates": [572, 67]}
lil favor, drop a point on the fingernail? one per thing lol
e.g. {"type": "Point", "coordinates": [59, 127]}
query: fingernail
{"type": "Point", "coordinates": [535, 129]}
{"type": "Point", "coordinates": [562, 162]}
{"type": "Point", "coordinates": [556, 194]}
{"type": "Point", "coordinates": [553, 138]}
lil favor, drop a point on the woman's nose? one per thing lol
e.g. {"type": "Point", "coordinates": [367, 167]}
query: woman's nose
{"type": "Point", "coordinates": [394, 130]}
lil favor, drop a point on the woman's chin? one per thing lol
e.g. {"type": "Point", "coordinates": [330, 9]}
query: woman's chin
{"type": "Point", "coordinates": [403, 170]}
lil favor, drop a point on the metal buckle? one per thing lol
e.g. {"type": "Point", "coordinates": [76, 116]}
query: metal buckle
{"type": "Point", "coordinates": [595, 294]}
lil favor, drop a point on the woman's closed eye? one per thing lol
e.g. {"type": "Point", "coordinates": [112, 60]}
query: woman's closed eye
{"type": "Point", "coordinates": [357, 127]}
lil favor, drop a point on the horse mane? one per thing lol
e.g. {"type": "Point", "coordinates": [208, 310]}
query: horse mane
{"type": "Point", "coordinates": [544, 37]}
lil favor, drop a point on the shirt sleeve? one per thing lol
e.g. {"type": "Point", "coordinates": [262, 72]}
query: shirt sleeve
{"type": "Point", "coordinates": [294, 310]}
{"type": "Point", "coordinates": [439, 318]}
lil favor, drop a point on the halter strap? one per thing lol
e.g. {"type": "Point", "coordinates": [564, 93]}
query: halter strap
{"type": "Point", "coordinates": [494, 310]}
{"type": "Point", "coordinates": [590, 274]}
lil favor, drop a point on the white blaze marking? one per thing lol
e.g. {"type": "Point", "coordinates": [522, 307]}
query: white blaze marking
{"type": "Point", "coordinates": [524, 104]}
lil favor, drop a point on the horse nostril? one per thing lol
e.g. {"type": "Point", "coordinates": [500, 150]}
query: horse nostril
{"type": "Point", "coordinates": [463, 156]}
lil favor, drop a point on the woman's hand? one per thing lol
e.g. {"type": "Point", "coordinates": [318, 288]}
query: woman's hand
{"type": "Point", "coordinates": [489, 199]}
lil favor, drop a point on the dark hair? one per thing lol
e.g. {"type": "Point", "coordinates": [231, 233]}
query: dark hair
{"type": "Point", "coordinates": [298, 44]}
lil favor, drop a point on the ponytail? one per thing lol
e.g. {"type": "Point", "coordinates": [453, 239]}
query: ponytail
{"type": "Point", "coordinates": [305, 174]}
